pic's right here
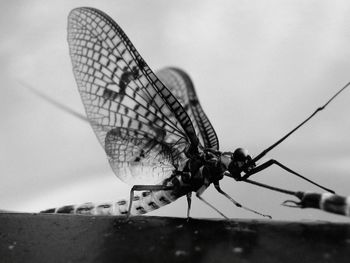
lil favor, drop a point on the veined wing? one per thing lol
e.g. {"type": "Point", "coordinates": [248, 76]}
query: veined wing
{"type": "Point", "coordinates": [124, 100]}
{"type": "Point", "coordinates": [137, 157]}
{"type": "Point", "coordinates": [180, 84]}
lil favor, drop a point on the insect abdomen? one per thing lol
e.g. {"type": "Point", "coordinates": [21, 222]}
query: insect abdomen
{"type": "Point", "coordinates": [143, 203]}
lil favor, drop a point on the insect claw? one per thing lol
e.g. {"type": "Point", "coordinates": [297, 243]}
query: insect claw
{"type": "Point", "coordinates": [291, 203]}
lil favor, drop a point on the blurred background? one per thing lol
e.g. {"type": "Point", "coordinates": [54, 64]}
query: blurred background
{"type": "Point", "coordinates": [260, 68]}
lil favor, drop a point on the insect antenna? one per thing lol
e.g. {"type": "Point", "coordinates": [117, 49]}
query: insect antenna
{"type": "Point", "coordinates": [264, 152]}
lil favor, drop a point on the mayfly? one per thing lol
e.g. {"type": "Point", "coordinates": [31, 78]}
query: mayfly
{"type": "Point", "coordinates": [154, 130]}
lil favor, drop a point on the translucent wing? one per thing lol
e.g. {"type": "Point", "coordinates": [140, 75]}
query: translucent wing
{"type": "Point", "coordinates": [134, 116]}
{"type": "Point", "coordinates": [137, 156]}
{"type": "Point", "coordinates": [180, 84]}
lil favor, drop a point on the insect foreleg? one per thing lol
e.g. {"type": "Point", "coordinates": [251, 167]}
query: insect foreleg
{"type": "Point", "coordinates": [272, 162]}
{"type": "Point", "coordinates": [145, 188]}
{"type": "Point", "coordinates": [217, 187]}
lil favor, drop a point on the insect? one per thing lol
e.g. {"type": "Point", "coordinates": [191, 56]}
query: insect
{"type": "Point", "coordinates": [153, 129]}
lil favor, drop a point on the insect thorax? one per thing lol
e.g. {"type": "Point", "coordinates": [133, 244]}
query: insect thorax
{"type": "Point", "coordinates": [199, 170]}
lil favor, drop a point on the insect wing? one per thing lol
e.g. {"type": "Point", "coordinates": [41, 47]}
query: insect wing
{"type": "Point", "coordinates": [137, 157]}
{"type": "Point", "coordinates": [180, 84]}
{"type": "Point", "coordinates": [130, 110]}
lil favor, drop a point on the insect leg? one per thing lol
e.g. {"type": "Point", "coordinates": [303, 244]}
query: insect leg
{"type": "Point", "coordinates": [273, 188]}
{"type": "Point", "coordinates": [272, 162]}
{"type": "Point", "coordinates": [189, 201]}
{"type": "Point", "coordinates": [328, 202]}
{"type": "Point", "coordinates": [145, 188]}
{"type": "Point", "coordinates": [199, 193]}
{"type": "Point", "coordinates": [217, 187]}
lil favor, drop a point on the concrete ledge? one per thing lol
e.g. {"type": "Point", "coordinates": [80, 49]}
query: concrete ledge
{"type": "Point", "coordinates": [71, 238]}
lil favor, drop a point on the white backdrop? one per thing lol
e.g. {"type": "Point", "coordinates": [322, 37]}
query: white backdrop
{"type": "Point", "coordinates": [260, 67]}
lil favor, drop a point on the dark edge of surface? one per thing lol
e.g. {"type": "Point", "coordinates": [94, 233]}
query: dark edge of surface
{"type": "Point", "coordinates": [71, 238]}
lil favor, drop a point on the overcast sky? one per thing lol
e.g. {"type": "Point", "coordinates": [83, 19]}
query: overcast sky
{"type": "Point", "coordinates": [260, 68]}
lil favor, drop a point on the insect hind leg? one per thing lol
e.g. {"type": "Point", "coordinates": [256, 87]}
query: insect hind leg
{"type": "Point", "coordinates": [189, 202]}
{"type": "Point", "coordinates": [145, 188]}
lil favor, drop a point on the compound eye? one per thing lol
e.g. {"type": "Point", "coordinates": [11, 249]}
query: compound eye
{"type": "Point", "coordinates": [240, 155]}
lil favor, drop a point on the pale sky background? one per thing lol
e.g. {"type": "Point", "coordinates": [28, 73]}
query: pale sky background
{"type": "Point", "coordinates": [260, 68]}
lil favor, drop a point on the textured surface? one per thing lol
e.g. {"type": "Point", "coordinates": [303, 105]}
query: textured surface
{"type": "Point", "coordinates": [55, 238]}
